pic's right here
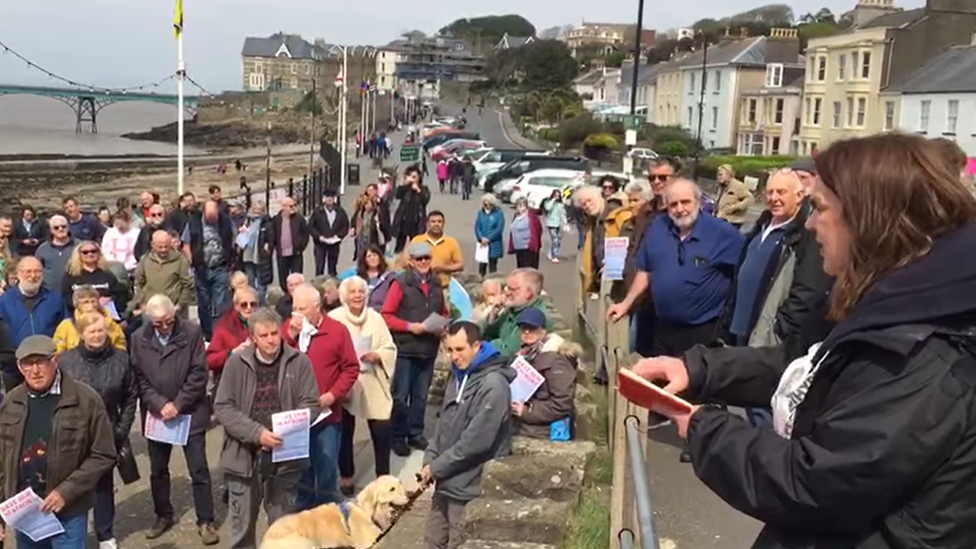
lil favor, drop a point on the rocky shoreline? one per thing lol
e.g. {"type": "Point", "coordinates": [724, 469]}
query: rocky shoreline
{"type": "Point", "coordinates": [222, 135]}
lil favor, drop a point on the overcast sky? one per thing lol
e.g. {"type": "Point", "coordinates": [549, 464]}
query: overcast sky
{"type": "Point", "coordinates": [130, 42]}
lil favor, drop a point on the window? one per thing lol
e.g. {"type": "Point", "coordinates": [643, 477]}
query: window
{"type": "Point", "coordinates": [806, 111]}
{"type": "Point", "coordinates": [836, 121]}
{"type": "Point", "coordinates": [308, 70]}
{"type": "Point", "coordinates": [952, 116]}
{"type": "Point", "coordinates": [841, 66]}
{"type": "Point", "coordinates": [691, 88]}
{"type": "Point", "coordinates": [294, 68]}
{"type": "Point", "coordinates": [821, 68]}
{"type": "Point", "coordinates": [256, 81]}
{"type": "Point", "coordinates": [779, 111]}
{"type": "Point", "coordinates": [923, 116]}
{"type": "Point", "coordinates": [862, 108]}
{"type": "Point", "coordinates": [866, 65]}
{"type": "Point", "coordinates": [775, 147]}
{"type": "Point", "coordinates": [718, 81]}
{"type": "Point", "coordinates": [691, 114]}
{"type": "Point", "coordinates": [258, 67]}
{"type": "Point", "coordinates": [854, 64]}
{"type": "Point", "coordinates": [751, 144]}
{"type": "Point", "coordinates": [816, 111]}
{"type": "Point", "coordinates": [294, 83]}
{"type": "Point", "coordinates": [751, 116]}
{"type": "Point", "coordinates": [714, 117]}
{"type": "Point", "coordinates": [774, 75]}
{"type": "Point", "coordinates": [850, 112]}
{"type": "Point", "coordinates": [889, 119]}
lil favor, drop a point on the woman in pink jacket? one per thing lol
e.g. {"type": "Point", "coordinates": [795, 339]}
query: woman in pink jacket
{"type": "Point", "coordinates": [442, 173]}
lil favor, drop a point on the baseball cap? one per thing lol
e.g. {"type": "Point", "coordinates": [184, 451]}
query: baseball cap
{"type": "Point", "coordinates": [420, 249]}
{"type": "Point", "coordinates": [36, 345]}
{"type": "Point", "coordinates": [531, 317]}
{"type": "Point", "coordinates": [805, 164]}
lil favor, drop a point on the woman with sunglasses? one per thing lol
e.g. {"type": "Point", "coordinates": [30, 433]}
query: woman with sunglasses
{"type": "Point", "coordinates": [87, 267]}
{"type": "Point", "coordinates": [230, 333]}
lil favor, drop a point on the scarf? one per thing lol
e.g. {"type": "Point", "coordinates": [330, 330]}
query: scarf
{"type": "Point", "coordinates": [359, 320]}
{"type": "Point", "coordinates": [531, 352]}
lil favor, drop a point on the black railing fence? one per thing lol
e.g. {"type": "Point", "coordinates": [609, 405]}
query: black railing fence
{"type": "Point", "coordinates": [307, 191]}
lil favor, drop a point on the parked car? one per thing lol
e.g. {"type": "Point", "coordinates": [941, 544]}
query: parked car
{"type": "Point", "coordinates": [444, 137]}
{"type": "Point", "coordinates": [642, 153]}
{"type": "Point", "coordinates": [519, 167]}
{"type": "Point", "coordinates": [459, 146]}
{"type": "Point", "coordinates": [538, 185]}
{"type": "Point", "coordinates": [499, 157]}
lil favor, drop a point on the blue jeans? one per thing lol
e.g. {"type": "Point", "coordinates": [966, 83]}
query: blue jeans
{"type": "Point", "coordinates": [760, 417]}
{"type": "Point", "coordinates": [253, 280]}
{"type": "Point", "coordinates": [75, 535]}
{"type": "Point", "coordinates": [555, 241]}
{"type": "Point", "coordinates": [212, 293]}
{"type": "Point", "coordinates": [411, 382]}
{"type": "Point", "coordinates": [320, 482]}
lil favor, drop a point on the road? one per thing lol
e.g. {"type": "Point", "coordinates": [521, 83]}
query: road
{"type": "Point", "coordinates": [686, 511]}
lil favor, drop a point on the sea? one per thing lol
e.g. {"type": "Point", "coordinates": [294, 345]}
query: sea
{"type": "Point", "coordinates": [32, 125]}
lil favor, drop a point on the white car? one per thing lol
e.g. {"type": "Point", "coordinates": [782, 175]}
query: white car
{"type": "Point", "coordinates": [538, 185]}
{"type": "Point", "coordinates": [642, 153]}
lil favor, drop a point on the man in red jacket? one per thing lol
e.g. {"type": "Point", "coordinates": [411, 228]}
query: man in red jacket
{"type": "Point", "coordinates": [329, 346]}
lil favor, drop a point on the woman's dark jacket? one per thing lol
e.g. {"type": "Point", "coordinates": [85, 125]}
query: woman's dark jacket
{"type": "Point", "coordinates": [882, 453]}
{"type": "Point", "coordinates": [38, 231]}
{"type": "Point", "coordinates": [106, 283]}
{"type": "Point", "coordinates": [107, 371]}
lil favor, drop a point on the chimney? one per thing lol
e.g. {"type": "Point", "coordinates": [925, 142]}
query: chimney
{"type": "Point", "coordinates": [782, 46]}
{"type": "Point", "coordinates": [868, 10]}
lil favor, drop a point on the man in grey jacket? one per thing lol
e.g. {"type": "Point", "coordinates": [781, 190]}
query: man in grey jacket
{"type": "Point", "coordinates": [474, 427]}
{"type": "Point", "coordinates": [262, 377]}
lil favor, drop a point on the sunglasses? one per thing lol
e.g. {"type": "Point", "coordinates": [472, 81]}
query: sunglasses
{"type": "Point", "coordinates": [247, 304]}
{"type": "Point", "coordinates": [607, 188]}
{"type": "Point", "coordinates": [424, 258]}
{"type": "Point", "coordinates": [59, 227]}
{"type": "Point", "coordinates": [89, 252]}
{"type": "Point", "coordinates": [659, 177]}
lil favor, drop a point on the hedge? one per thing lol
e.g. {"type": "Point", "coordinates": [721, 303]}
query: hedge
{"type": "Point", "coordinates": [755, 166]}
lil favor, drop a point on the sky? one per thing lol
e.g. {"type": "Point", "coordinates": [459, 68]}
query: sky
{"type": "Point", "coordinates": [118, 43]}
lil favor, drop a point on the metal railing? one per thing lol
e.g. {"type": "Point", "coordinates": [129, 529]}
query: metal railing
{"type": "Point", "coordinates": [306, 191]}
{"type": "Point", "coordinates": [631, 508]}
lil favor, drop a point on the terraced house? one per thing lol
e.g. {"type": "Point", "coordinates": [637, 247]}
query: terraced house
{"type": "Point", "coordinates": [847, 74]}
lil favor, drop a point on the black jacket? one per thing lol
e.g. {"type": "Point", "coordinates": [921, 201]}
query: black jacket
{"type": "Point", "coordinates": [410, 218]}
{"type": "Point", "coordinates": [319, 226]}
{"type": "Point", "coordinates": [809, 290]}
{"type": "Point", "coordinates": [178, 218]}
{"type": "Point", "coordinates": [107, 371]}
{"type": "Point", "coordinates": [107, 284]}
{"type": "Point", "coordinates": [299, 233]}
{"type": "Point", "coordinates": [416, 306]}
{"type": "Point", "coordinates": [144, 240]}
{"type": "Point", "coordinates": [38, 231]}
{"type": "Point", "coordinates": [227, 232]}
{"type": "Point", "coordinates": [882, 451]}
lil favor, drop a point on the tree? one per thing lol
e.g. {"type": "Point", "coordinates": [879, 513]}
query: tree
{"type": "Point", "coordinates": [615, 59]}
{"type": "Point", "coordinates": [547, 65]}
{"type": "Point", "coordinates": [489, 30]}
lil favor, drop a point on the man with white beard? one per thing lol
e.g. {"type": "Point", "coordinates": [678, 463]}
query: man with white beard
{"type": "Point", "coordinates": [688, 259]}
{"type": "Point", "coordinates": [29, 308]}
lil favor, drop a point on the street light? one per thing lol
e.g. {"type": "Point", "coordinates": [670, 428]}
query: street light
{"type": "Point", "coordinates": [701, 101]}
{"type": "Point", "coordinates": [630, 136]}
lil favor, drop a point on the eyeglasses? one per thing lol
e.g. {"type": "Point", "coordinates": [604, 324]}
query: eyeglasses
{"type": "Point", "coordinates": [659, 177]}
{"type": "Point", "coordinates": [58, 227]}
{"type": "Point", "coordinates": [424, 258]}
{"type": "Point", "coordinates": [608, 188]}
{"type": "Point", "coordinates": [155, 215]}
{"type": "Point", "coordinates": [247, 304]}
{"type": "Point", "coordinates": [88, 252]}
{"type": "Point", "coordinates": [35, 363]}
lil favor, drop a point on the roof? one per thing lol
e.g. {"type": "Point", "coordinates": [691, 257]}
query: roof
{"type": "Point", "coordinates": [952, 71]}
{"type": "Point", "coordinates": [589, 78]}
{"type": "Point", "coordinates": [748, 51]}
{"type": "Point", "coordinates": [897, 19]}
{"type": "Point", "coordinates": [646, 74]}
{"type": "Point", "coordinates": [513, 41]}
{"type": "Point", "coordinates": [280, 44]}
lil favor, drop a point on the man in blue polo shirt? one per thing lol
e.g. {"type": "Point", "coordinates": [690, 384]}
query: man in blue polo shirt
{"type": "Point", "coordinates": [688, 259]}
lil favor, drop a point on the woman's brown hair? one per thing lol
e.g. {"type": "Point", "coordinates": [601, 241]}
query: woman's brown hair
{"type": "Point", "coordinates": [897, 193]}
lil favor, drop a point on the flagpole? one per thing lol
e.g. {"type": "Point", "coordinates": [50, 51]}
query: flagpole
{"type": "Point", "coordinates": [180, 77]}
{"type": "Point", "coordinates": [343, 124]}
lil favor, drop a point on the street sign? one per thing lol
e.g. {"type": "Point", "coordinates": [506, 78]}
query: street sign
{"type": "Point", "coordinates": [409, 153]}
{"type": "Point", "coordinates": [633, 122]}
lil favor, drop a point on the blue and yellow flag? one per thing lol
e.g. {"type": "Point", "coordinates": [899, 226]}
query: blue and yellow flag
{"type": "Point", "coordinates": [178, 19]}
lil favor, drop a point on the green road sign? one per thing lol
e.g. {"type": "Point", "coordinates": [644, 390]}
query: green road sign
{"type": "Point", "coordinates": [633, 122]}
{"type": "Point", "coordinates": [409, 153]}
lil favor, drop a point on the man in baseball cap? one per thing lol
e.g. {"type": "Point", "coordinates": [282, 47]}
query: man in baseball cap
{"type": "Point", "coordinates": [64, 480]}
{"type": "Point", "coordinates": [806, 169]}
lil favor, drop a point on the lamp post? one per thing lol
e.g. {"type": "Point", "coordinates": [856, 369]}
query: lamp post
{"type": "Point", "coordinates": [630, 136]}
{"type": "Point", "coordinates": [701, 103]}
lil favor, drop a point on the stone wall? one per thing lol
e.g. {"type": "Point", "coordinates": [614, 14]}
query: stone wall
{"type": "Point", "coordinates": [530, 496]}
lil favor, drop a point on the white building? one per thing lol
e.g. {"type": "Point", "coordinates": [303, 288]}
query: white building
{"type": "Point", "coordinates": [937, 100]}
{"type": "Point", "coordinates": [386, 65]}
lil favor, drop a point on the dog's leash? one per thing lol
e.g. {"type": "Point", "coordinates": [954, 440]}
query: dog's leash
{"type": "Point", "coordinates": [412, 496]}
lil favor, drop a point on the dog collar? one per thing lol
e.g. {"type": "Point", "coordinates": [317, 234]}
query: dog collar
{"type": "Point", "coordinates": [344, 511]}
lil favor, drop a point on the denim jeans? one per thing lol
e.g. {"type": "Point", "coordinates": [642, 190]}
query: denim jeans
{"type": "Point", "coordinates": [760, 417]}
{"type": "Point", "coordinates": [555, 241]}
{"type": "Point", "coordinates": [212, 296]}
{"type": "Point", "coordinates": [75, 535]}
{"type": "Point", "coordinates": [411, 382]}
{"type": "Point", "coordinates": [254, 281]}
{"type": "Point", "coordinates": [320, 481]}
{"type": "Point", "coordinates": [105, 506]}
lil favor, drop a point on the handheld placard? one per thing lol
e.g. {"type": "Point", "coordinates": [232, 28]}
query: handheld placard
{"type": "Point", "coordinates": [647, 395]}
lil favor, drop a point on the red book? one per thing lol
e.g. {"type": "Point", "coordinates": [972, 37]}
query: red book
{"type": "Point", "coordinates": [647, 395]}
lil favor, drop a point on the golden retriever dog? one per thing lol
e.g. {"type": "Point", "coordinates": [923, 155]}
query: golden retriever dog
{"type": "Point", "coordinates": [369, 515]}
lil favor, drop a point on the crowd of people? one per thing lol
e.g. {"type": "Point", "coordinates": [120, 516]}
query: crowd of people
{"type": "Point", "coordinates": [96, 332]}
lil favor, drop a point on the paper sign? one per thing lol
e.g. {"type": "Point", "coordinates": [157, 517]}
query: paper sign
{"type": "Point", "coordinates": [435, 323]}
{"type": "Point", "coordinates": [23, 513]}
{"type": "Point", "coordinates": [292, 427]}
{"type": "Point", "coordinates": [481, 253]}
{"type": "Point", "coordinates": [527, 381]}
{"type": "Point", "coordinates": [175, 431]}
{"type": "Point", "coordinates": [363, 344]}
{"type": "Point", "coordinates": [112, 311]}
{"type": "Point", "coordinates": [614, 257]}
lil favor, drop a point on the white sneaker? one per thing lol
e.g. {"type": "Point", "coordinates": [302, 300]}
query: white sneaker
{"type": "Point", "coordinates": [108, 544]}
